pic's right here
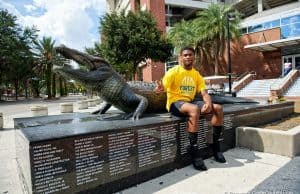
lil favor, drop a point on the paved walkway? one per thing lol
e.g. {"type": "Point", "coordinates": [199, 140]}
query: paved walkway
{"type": "Point", "coordinates": [246, 171]}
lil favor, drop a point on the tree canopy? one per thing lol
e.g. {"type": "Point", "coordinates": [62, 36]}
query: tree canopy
{"type": "Point", "coordinates": [16, 56]}
{"type": "Point", "coordinates": [131, 38]}
{"type": "Point", "coordinates": [207, 32]}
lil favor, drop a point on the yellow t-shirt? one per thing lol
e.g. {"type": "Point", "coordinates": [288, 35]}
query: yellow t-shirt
{"type": "Point", "coordinates": [182, 84]}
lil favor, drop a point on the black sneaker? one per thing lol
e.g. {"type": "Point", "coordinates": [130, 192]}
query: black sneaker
{"type": "Point", "coordinates": [219, 157]}
{"type": "Point", "coordinates": [199, 164]}
{"type": "Point", "coordinates": [196, 158]}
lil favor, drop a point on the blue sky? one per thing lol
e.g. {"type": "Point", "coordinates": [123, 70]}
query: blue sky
{"type": "Point", "coordinates": [74, 23]}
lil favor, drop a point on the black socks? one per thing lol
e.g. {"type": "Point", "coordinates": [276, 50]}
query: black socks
{"type": "Point", "coordinates": [216, 144]}
{"type": "Point", "coordinates": [194, 152]}
{"type": "Point", "coordinates": [193, 137]}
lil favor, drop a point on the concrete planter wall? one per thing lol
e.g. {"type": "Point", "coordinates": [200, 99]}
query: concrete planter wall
{"type": "Point", "coordinates": [39, 110]}
{"type": "Point", "coordinates": [98, 101]}
{"type": "Point", "coordinates": [286, 143]}
{"type": "Point", "coordinates": [66, 107]}
{"type": "Point", "coordinates": [83, 104]}
{"type": "Point", "coordinates": [91, 103]}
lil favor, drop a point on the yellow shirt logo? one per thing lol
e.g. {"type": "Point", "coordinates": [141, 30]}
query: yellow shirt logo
{"type": "Point", "coordinates": [187, 86]}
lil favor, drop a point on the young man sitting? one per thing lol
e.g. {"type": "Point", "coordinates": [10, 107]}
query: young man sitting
{"type": "Point", "coordinates": [182, 83]}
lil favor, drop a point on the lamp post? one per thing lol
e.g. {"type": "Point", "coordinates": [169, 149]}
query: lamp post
{"type": "Point", "coordinates": [228, 19]}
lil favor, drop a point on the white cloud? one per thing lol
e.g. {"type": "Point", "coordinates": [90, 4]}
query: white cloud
{"type": "Point", "coordinates": [67, 21]}
{"type": "Point", "coordinates": [29, 8]}
{"type": "Point", "coordinates": [11, 8]}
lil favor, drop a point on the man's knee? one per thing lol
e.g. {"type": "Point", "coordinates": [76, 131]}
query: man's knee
{"type": "Point", "coordinates": [218, 108]}
{"type": "Point", "coordinates": [193, 110]}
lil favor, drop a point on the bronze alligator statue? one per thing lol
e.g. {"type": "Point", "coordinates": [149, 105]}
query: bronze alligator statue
{"type": "Point", "coordinates": [133, 98]}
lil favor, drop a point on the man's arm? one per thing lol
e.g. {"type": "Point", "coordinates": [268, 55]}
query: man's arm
{"type": "Point", "coordinates": [165, 83]}
{"type": "Point", "coordinates": [159, 87]}
{"type": "Point", "coordinates": [207, 107]}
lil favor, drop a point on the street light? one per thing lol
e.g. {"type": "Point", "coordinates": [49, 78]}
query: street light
{"type": "Point", "coordinates": [228, 19]}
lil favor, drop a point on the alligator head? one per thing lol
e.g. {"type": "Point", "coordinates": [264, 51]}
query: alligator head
{"type": "Point", "coordinates": [98, 69]}
{"type": "Point", "coordinates": [91, 62]}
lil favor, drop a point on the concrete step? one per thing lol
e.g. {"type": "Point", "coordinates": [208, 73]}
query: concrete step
{"type": "Point", "coordinates": [257, 88]}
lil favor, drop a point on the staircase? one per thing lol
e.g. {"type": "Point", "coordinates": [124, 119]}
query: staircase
{"type": "Point", "coordinates": [257, 88]}
{"type": "Point", "coordinates": [294, 90]}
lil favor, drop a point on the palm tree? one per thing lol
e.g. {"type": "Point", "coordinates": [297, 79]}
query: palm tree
{"type": "Point", "coordinates": [212, 29]}
{"type": "Point", "coordinates": [207, 33]}
{"type": "Point", "coordinates": [46, 58]}
{"type": "Point", "coordinates": [182, 34]}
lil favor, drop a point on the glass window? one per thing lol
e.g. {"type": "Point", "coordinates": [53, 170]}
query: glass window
{"type": "Point", "coordinates": [291, 30]}
{"type": "Point", "coordinates": [272, 24]}
{"type": "Point", "coordinates": [290, 20]}
{"type": "Point", "coordinates": [255, 28]}
{"type": "Point", "coordinates": [244, 30]}
{"type": "Point", "coordinates": [171, 64]}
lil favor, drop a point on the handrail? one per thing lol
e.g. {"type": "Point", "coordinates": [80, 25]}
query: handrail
{"type": "Point", "coordinates": [279, 82]}
{"type": "Point", "coordinates": [244, 74]}
{"type": "Point", "coordinates": [243, 80]}
{"type": "Point", "coordinates": [279, 86]}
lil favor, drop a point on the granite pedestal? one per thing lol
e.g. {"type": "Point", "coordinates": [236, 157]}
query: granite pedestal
{"type": "Point", "coordinates": [80, 153]}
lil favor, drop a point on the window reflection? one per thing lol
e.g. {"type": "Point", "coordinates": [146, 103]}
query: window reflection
{"type": "Point", "coordinates": [290, 20]}
{"type": "Point", "coordinates": [291, 30]}
{"type": "Point", "coordinates": [272, 24]}
{"type": "Point", "coordinates": [290, 26]}
{"type": "Point", "coordinates": [255, 28]}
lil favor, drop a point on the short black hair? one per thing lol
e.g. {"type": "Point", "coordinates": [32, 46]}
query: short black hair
{"type": "Point", "coordinates": [190, 48]}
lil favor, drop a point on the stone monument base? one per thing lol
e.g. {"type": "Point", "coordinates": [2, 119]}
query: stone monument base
{"type": "Point", "coordinates": [83, 153]}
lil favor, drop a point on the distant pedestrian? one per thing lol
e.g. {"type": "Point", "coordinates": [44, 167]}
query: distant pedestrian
{"type": "Point", "coordinates": [287, 67]}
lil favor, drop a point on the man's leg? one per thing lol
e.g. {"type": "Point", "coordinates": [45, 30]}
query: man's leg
{"type": "Point", "coordinates": [217, 123]}
{"type": "Point", "coordinates": [193, 113]}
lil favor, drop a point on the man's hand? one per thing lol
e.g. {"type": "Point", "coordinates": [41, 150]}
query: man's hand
{"type": "Point", "coordinates": [206, 108]}
{"type": "Point", "coordinates": [159, 87]}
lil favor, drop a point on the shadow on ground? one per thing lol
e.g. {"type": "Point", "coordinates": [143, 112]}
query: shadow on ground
{"type": "Point", "coordinates": [286, 180]}
{"type": "Point", "coordinates": [236, 159]}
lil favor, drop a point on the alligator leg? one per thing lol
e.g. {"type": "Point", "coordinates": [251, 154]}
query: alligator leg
{"type": "Point", "coordinates": [102, 110]}
{"type": "Point", "coordinates": [140, 108]}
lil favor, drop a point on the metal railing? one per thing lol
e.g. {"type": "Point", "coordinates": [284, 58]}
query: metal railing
{"type": "Point", "coordinates": [240, 77]}
{"type": "Point", "coordinates": [280, 82]}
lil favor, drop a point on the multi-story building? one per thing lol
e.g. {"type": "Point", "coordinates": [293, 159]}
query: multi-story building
{"type": "Point", "coordinates": [271, 33]}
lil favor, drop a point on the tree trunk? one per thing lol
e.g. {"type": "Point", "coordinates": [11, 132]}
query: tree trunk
{"type": "Point", "coordinates": [61, 92]}
{"type": "Point", "coordinates": [48, 80]}
{"type": "Point", "coordinates": [65, 87]}
{"type": "Point", "coordinates": [54, 85]}
{"type": "Point", "coordinates": [217, 50]}
{"type": "Point", "coordinates": [26, 89]}
{"type": "Point", "coordinates": [216, 65]}
{"type": "Point", "coordinates": [199, 58]}
{"type": "Point", "coordinates": [37, 92]}
{"type": "Point", "coordinates": [16, 88]}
